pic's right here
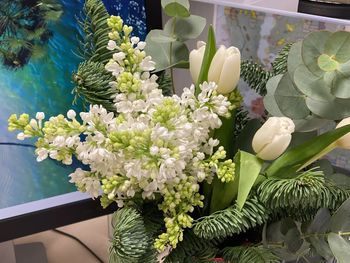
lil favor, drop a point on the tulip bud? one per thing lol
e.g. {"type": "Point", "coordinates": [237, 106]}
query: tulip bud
{"type": "Point", "coordinates": [225, 69]}
{"type": "Point", "coordinates": [196, 60]}
{"type": "Point", "coordinates": [344, 142]}
{"type": "Point", "coordinates": [273, 138]}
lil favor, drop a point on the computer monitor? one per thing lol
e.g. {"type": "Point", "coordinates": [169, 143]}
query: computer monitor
{"type": "Point", "coordinates": [39, 50]}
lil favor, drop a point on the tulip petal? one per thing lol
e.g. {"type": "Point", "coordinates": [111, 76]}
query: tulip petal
{"type": "Point", "coordinates": [216, 65]}
{"type": "Point", "coordinates": [230, 74]}
{"type": "Point", "coordinates": [265, 134]}
{"type": "Point", "coordinates": [196, 60]}
{"type": "Point", "coordinates": [275, 148]}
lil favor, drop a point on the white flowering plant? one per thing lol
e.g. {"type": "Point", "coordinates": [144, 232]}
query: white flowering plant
{"type": "Point", "coordinates": [187, 186]}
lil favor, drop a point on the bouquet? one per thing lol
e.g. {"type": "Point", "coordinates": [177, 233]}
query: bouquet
{"type": "Point", "coordinates": [194, 178]}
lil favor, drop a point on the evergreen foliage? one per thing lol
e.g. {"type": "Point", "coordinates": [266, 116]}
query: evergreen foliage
{"type": "Point", "coordinates": [279, 65]}
{"type": "Point", "coordinates": [249, 255]}
{"type": "Point", "coordinates": [302, 196]}
{"type": "Point", "coordinates": [92, 82]}
{"type": "Point", "coordinates": [165, 84]}
{"type": "Point", "coordinates": [231, 220]}
{"type": "Point", "coordinates": [91, 78]}
{"type": "Point", "coordinates": [132, 241]}
{"type": "Point", "coordinates": [95, 28]}
{"type": "Point", "coordinates": [255, 76]}
{"type": "Point", "coordinates": [240, 121]}
{"type": "Point", "coordinates": [193, 250]}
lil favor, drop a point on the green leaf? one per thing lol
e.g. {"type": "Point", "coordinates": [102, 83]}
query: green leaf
{"type": "Point", "coordinates": [248, 167]}
{"type": "Point", "coordinates": [334, 109]}
{"type": "Point", "coordinates": [209, 53]}
{"type": "Point", "coordinates": [327, 63]}
{"type": "Point", "coordinates": [294, 58]}
{"type": "Point", "coordinates": [269, 100]}
{"type": "Point", "coordinates": [320, 225]}
{"type": "Point", "coordinates": [185, 28]}
{"type": "Point", "coordinates": [338, 46]}
{"type": "Point", "coordinates": [161, 36]}
{"type": "Point", "coordinates": [312, 86]}
{"type": "Point", "coordinates": [287, 164]}
{"type": "Point", "coordinates": [340, 87]}
{"type": "Point", "coordinates": [313, 46]}
{"type": "Point", "coordinates": [289, 100]}
{"type": "Point", "coordinates": [310, 123]}
{"type": "Point", "coordinates": [224, 193]}
{"type": "Point", "coordinates": [293, 240]}
{"type": "Point", "coordinates": [167, 55]}
{"type": "Point", "coordinates": [340, 221]}
{"type": "Point", "coordinates": [339, 247]}
{"type": "Point", "coordinates": [340, 180]}
{"type": "Point", "coordinates": [176, 8]}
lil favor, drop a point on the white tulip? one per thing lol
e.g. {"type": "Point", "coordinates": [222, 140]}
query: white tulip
{"type": "Point", "coordinates": [196, 60]}
{"type": "Point", "coordinates": [225, 69]}
{"type": "Point", "coordinates": [273, 138]}
{"type": "Point", "coordinates": [344, 142]}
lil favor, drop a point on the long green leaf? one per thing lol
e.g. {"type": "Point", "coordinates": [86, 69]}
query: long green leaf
{"type": "Point", "coordinates": [287, 164]}
{"type": "Point", "coordinates": [209, 53]}
{"type": "Point", "coordinates": [248, 167]}
{"type": "Point", "coordinates": [223, 194]}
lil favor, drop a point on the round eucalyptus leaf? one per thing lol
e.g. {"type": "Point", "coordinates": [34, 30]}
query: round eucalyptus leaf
{"type": "Point", "coordinates": [338, 46]}
{"type": "Point", "coordinates": [185, 28]}
{"type": "Point", "coordinates": [345, 68]}
{"type": "Point", "coordinates": [312, 48]}
{"type": "Point", "coordinates": [164, 56]}
{"type": "Point", "coordinates": [335, 109]}
{"type": "Point", "coordinates": [310, 85]}
{"type": "Point", "coordinates": [310, 123]}
{"type": "Point", "coordinates": [294, 58]}
{"type": "Point", "coordinates": [341, 86]}
{"type": "Point", "coordinates": [176, 8]}
{"type": "Point", "coordinates": [269, 99]}
{"type": "Point", "coordinates": [161, 36]}
{"type": "Point", "coordinates": [289, 100]}
{"type": "Point", "coordinates": [327, 63]}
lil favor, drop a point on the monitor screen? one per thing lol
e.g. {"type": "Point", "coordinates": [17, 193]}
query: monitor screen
{"type": "Point", "coordinates": [39, 51]}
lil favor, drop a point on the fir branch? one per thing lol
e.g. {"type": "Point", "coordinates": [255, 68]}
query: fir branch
{"type": "Point", "coordinates": [280, 64]}
{"type": "Point", "coordinates": [193, 250]}
{"type": "Point", "coordinates": [302, 196]}
{"type": "Point", "coordinates": [249, 254]}
{"type": "Point", "coordinates": [241, 120]}
{"type": "Point", "coordinates": [255, 76]}
{"type": "Point", "coordinates": [131, 243]}
{"type": "Point", "coordinates": [96, 30]}
{"type": "Point", "coordinates": [231, 221]}
{"type": "Point", "coordinates": [92, 83]}
{"type": "Point", "coordinates": [165, 84]}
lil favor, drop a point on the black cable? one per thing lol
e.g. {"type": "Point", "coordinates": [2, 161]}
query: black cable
{"type": "Point", "coordinates": [80, 242]}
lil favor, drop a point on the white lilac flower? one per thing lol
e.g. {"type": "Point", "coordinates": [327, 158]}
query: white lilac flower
{"type": "Point", "coordinates": [112, 45]}
{"type": "Point", "coordinates": [40, 116]}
